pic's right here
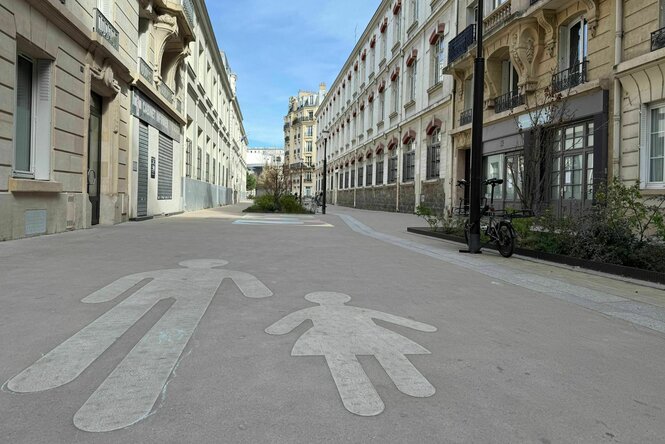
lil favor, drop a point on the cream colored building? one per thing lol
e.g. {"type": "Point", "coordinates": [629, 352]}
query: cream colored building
{"type": "Point", "coordinates": [93, 112]}
{"type": "Point", "coordinates": [639, 64]}
{"type": "Point", "coordinates": [537, 52]}
{"type": "Point", "coordinates": [300, 135]}
{"type": "Point", "coordinates": [386, 118]}
{"type": "Point", "coordinates": [215, 169]}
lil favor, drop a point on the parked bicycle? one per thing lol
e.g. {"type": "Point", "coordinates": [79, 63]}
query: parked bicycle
{"type": "Point", "coordinates": [496, 225]}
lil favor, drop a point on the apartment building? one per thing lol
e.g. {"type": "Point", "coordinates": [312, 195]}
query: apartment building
{"type": "Point", "coordinates": [94, 111]}
{"type": "Point", "coordinates": [215, 168]}
{"type": "Point", "coordinates": [300, 136]}
{"type": "Point", "coordinates": [639, 117]}
{"type": "Point", "coordinates": [386, 119]}
{"type": "Point", "coordinates": [540, 55]}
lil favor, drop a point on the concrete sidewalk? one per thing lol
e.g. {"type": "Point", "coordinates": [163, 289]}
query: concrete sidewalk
{"type": "Point", "coordinates": [505, 350]}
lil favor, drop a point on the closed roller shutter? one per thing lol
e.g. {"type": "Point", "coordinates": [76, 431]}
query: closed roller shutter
{"type": "Point", "coordinates": [142, 197]}
{"type": "Point", "coordinates": [165, 168]}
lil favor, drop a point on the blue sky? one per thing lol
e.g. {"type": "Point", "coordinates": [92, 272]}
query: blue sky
{"type": "Point", "coordinates": [278, 48]}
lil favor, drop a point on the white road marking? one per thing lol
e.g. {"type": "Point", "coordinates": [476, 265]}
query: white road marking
{"type": "Point", "coordinates": [341, 333]}
{"type": "Point", "coordinates": [303, 221]}
{"type": "Point", "coordinates": [131, 390]}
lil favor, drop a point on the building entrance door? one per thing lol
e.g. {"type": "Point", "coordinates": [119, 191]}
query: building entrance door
{"type": "Point", "coordinates": [94, 154]}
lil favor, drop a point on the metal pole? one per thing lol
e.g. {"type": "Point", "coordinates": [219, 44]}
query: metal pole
{"type": "Point", "coordinates": [477, 137]}
{"type": "Point", "coordinates": [325, 174]}
{"type": "Point", "coordinates": [301, 165]}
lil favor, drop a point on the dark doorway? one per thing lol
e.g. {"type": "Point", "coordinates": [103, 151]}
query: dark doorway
{"type": "Point", "coordinates": [94, 154]}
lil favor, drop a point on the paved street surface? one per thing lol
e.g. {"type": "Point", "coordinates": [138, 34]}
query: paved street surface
{"type": "Point", "coordinates": [219, 326]}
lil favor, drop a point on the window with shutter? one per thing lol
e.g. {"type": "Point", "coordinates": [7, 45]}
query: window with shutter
{"type": "Point", "coordinates": [32, 145]}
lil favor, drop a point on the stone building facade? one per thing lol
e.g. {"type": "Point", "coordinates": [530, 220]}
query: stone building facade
{"type": "Point", "coordinates": [300, 135]}
{"type": "Point", "coordinates": [93, 112]}
{"type": "Point", "coordinates": [639, 64]}
{"type": "Point", "coordinates": [386, 119]}
{"type": "Point", "coordinates": [547, 64]}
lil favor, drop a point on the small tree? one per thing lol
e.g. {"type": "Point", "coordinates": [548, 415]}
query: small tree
{"type": "Point", "coordinates": [548, 110]}
{"type": "Point", "coordinates": [274, 181]}
{"type": "Point", "coordinates": [251, 181]}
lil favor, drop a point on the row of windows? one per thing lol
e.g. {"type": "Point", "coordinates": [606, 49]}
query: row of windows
{"type": "Point", "coordinates": [359, 76]}
{"type": "Point", "coordinates": [219, 173]}
{"type": "Point", "coordinates": [408, 169]}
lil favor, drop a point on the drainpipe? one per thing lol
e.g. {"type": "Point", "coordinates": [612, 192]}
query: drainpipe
{"type": "Point", "coordinates": [616, 131]}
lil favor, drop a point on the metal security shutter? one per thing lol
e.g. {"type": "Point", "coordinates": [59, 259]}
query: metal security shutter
{"type": "Point", "coordinates": [142, 192]}
{"type": "Point", "coordinates": [165, 168]}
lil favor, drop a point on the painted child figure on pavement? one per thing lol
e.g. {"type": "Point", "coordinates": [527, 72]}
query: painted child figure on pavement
{"type": "Point", "coordinates": [341, 333]}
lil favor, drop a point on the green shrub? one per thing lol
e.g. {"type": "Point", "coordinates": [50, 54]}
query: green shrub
{"type": "Point", "coordinates": [428, 214]}
{"type": "Point", "coordinates": [263, 204]}
{"type": "Point", "coordinates": [289, 204]}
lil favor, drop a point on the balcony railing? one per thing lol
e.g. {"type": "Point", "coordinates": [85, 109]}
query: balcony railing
{"type": "Point", "coordinates": [104, 28]}
{"type": "Point", "coordinates": [658, 39]}
{"type": "Point", "coordinates": [146, 70]}
{"type": "Point", "coordinates": [165, 91]}
{"type": "Point", "coordinates": [465, 117]}
{"type": "Point", "coordinates": [508, 101]}
{"type": "Point", "coordinates": [570, 77]}
{"type": "Point", "coordinates": [533, 2]}
{"type": "Point", "coordinates": [497, 17]}
{"type": "Point", "coordinates": [460, 44]}
{"type": "Point", "coordinates": [188, 9]}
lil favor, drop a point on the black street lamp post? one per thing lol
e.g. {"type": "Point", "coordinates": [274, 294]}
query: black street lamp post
{"type": "Point", "coordinates": [325, 170]}
{"type": "Point", "coordinates": [477, 138]}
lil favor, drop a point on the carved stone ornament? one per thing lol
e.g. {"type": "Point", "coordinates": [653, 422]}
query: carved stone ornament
{"type": "Point", "coordinates": [105, 75]}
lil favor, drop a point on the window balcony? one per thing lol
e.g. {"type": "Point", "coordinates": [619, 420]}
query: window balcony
{"type": "Point", "coordinates": [508, 101]}
{"type": "Point", "coordinates": [658, 39]}
{"type": "Point", "coordinates": [104, 28]}
{"type": "Point", "coordinates": [146, 70]}
{"type": "Point", "coordinates": [188, 9]}
{"type": "Point", "coordinates": [460, 44]}
{"type": "Point", "coordinates": [498, 17]}
{"type": "Point", "coordinates": [466, 117]}
{"type": "Point", "coordinates": [165, 91]}
{"type": "Point", "coordinates": [570, 77]}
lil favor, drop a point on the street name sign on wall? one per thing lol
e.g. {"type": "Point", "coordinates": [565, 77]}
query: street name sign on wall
{"type": "Point", "coordinates": [146, 110]}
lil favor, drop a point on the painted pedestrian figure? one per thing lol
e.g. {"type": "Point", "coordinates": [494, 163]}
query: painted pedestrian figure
{"type": "Point", "coordinates": [341, 333]}
{"type": "Point", "coordinates": [131, 390]}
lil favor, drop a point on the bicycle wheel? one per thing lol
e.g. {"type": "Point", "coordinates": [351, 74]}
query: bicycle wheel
{"type": "Point", "coordinates": [505, 239]}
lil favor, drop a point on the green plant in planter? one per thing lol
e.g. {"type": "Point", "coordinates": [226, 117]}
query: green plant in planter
{"type": "Point", "coordinates": [428, 214]}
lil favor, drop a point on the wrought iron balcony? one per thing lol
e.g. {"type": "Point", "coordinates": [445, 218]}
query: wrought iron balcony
{"type": "Point", "coordinates": [570, 77]}
{"type": "Point", "coordinates": [533, 2]}
{"type": "Point", "coordinates": [104, 28]}
{"type": "Point", "coordinates": [165, 91]}
{"type": "Point", "coordinates": [508, 101]}
{"type": "Point", "coordinates": [460, 44]}
{"type": "Point", "coordinates": [188, 9]}
{"type": "Point", "coordinates": [466, 117]}
{"type": "Point", "coordinates": [658, 39]}
{"type": "Point", "coordinates": [146, 70]}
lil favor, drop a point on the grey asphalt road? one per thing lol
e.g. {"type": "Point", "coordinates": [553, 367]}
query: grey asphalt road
{"type": "Point", "coordinates": [522, 351]}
